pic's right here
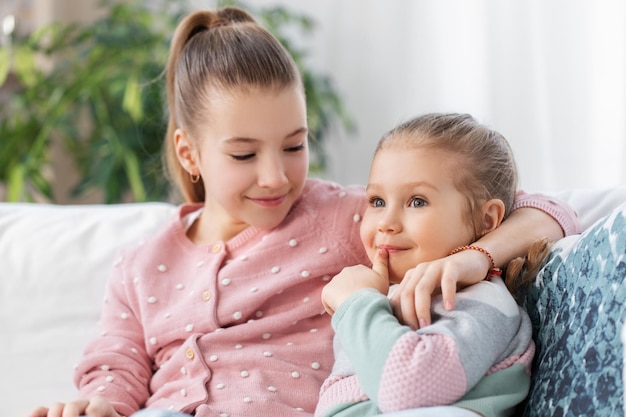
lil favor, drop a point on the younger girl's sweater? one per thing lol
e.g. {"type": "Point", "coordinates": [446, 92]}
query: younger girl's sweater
{"type": "Point", "coordinates": [477, 356]}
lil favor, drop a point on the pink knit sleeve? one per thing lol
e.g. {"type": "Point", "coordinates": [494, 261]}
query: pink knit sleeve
{"type": "Point", "coordinates": [339, 389]}
{"type": "Point", "coordinates": [562, 213]}
{"type": "Point", "coordinates": [115, 365]}
{"type": "Point", "coordinates": [422, 371]}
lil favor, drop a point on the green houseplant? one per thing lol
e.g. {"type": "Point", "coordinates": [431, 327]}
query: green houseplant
{"type": "Point", "coordinates": [103, 99]}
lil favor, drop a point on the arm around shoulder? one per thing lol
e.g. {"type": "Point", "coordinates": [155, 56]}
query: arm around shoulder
{"type": "Point", "coordinates": [558, 209]}
{"type": "Point", "coordinates": [534, 217]}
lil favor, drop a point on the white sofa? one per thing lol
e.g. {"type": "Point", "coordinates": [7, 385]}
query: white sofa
{"type": "Point", "coordinates": [54, 261]}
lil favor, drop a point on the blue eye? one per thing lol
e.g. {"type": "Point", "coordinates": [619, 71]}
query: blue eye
{"type": "Point", "coordinates": [377, 202]}
{"type": "Point", "coordinates": [417, 202]}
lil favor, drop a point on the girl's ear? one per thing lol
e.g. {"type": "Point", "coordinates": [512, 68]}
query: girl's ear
{"type": "Point", "coordinates": [185, 151]}
{"type": "Point", "coordinates": [493, 213]}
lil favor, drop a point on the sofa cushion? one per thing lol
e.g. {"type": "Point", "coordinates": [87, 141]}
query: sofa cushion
{"type": "Point", "coordinates": [577, 308]}
{"type": "Point", "coordinates": [54, 261]}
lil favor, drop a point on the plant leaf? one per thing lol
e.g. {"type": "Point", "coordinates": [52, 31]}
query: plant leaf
{"type": "Point", "coordinates": [134, 176]}
{"type": "Point", "coordinates": [132, 99]}
{"type": "Point", "coordinates": [15, 183]}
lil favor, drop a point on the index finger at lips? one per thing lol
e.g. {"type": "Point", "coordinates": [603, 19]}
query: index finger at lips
{"type": "Point", "coordinates": [380, 263]}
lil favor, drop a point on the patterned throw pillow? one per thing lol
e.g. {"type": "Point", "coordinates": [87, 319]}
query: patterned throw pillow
{"type": "Point", "coordinates": [578, 307]}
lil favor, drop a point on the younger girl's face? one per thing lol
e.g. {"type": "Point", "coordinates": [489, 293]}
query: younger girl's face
{"type": "Point", "coordinates": [415, 211]}
{"type": "Point", "coordinates": [253, 158]}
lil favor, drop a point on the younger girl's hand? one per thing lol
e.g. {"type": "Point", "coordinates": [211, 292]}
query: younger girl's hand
{"type": "Point", "coordinates": [411, 302]}
{"type": "Point", "coordinates": [92, 407]}
{"type": "Point", "coordinates": [354, 278]}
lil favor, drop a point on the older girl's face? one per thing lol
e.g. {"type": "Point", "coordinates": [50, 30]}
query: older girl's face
{"type": "Point", "coordinates": [415, 211]}
{"type": "Point", "coordinates": [253, 158]}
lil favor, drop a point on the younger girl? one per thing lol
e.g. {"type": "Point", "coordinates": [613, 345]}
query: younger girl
{"type": "Point", "coordinates": [437, 184]}
{"type": "Point", "coordinates": [220, 312]}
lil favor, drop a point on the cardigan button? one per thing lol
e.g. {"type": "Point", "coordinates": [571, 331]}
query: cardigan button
{"type": "Point", "coordinates": [206, 295]}
{"type": "Point", "coordinates": [216, 248]}
{"type": "Point", "coordinates": [190, 354]}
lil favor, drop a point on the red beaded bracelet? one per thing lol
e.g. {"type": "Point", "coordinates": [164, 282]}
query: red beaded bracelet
{"type": "Point", "coordinates": [492, 271]}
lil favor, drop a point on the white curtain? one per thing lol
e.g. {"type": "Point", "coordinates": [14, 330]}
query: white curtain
{"type": "Point", "coordinates": [549, 75]}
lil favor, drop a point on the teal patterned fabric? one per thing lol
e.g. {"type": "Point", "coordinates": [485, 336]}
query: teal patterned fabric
{"type": "Point", "coordinates": [578, 307]}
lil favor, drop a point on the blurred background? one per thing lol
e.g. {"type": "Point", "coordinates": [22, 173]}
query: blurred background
{"type": "Point", "coordinates": [81, 107]}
